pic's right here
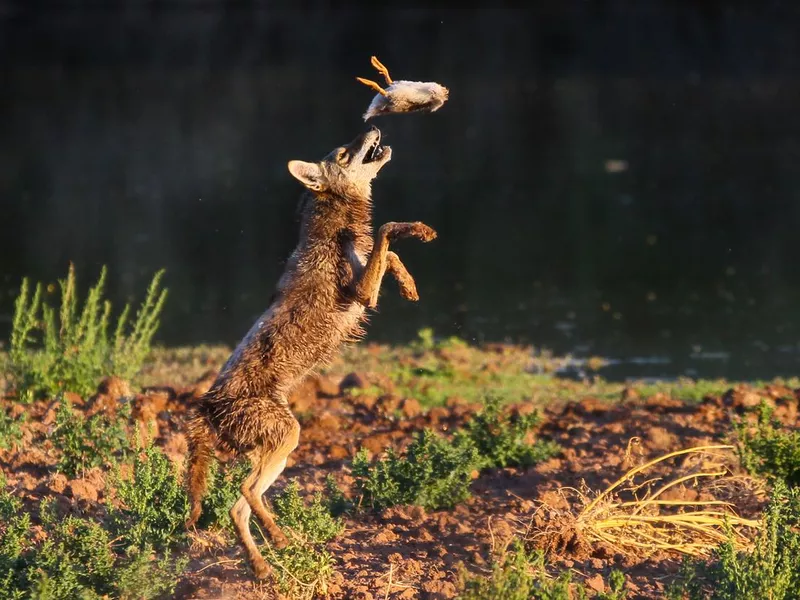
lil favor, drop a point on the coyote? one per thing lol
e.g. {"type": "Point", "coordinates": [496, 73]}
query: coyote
{"type": "Point", "coordinates": [331, 278]}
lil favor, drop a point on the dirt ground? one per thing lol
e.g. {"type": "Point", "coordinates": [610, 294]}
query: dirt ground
{"type": "Point", "coordinates": [406, 552]}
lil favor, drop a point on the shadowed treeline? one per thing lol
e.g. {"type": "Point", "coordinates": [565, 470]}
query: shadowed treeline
{"type": "Point", "coordinates": [603, 179]}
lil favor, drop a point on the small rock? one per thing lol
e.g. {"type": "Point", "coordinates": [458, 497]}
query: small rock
{"type": "Point", "coordinates": [596, 583]}
{"type": "Point", "coordinates": [629, 394]}
{"type": "Point", "coordinates": [377, 443]}
{"type": "Point", "coordinates": [439, 590]}
{"type": "Point", "coordinates": [338, 452]}
{"type": "Point", "coordinates": [16, 410]}
{"type": "Point", "coordinates": [478, 559]}
{"type": "Point", "coordinates": [658, 438]}
{"type": "Point", "coordinates": [73, 398]}
{"type": "Point", "coordinates": [330, 422]}
{"type": "Point", "coordinates": [437, 414]}
{"type": "Point", "coordinates": [114, 388]}
{"type": "Point", "coordinates": [147, 407]}
{"type": "Point", "coordinates": [385, 536]}
{"type": "Point", "coordinates": [327, 387]}
{"type": "Point", "coordinates": [59, 483]}
{"type": "Point", "coordinates": [352, 380]}
{"type": "Point", "coordinates": [410, 408]}
{"type": "Point", "coordinates": [744, 398]}
{"type": "Point", "coordinates": [81, 489]}
{"type": "Point", "coordinates": [389, 403]}
{"type": "Point", "coordinates": [368, 401]}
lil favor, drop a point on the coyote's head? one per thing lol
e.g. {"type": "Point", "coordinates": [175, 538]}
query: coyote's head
{"type": "Point", "coordinates": [348, 171]}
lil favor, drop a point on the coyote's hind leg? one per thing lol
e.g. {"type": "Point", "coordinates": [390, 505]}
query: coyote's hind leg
{"type": "Point", "coordinates": [240, 514]}
{"type": "Point", "coordinates": [282, 433]}
{"type": "Point", "coordinates": [268, 465]}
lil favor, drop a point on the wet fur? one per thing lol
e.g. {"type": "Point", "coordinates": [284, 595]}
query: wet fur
{"type": "Point", "coordinates": [332, 276]}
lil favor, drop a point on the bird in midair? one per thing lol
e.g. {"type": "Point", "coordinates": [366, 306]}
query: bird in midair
{"type": "Point", "coordinates": [402, 96]}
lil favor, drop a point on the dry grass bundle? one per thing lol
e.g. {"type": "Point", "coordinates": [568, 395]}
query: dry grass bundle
{"type": "Point", "coordinates": [649, 522]}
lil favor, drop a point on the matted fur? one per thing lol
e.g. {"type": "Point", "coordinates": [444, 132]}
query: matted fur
{"type": "Point", "coordinates": [332, 276]}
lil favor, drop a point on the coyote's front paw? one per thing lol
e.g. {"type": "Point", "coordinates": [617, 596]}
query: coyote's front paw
{"type": "Point", "coordinates": [396, 231]}
{"type": "Point", "coordinates": [409, 291]}
{"type": "Point", "coordinates": [423, 232]}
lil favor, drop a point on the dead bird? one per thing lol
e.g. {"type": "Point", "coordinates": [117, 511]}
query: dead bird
{"type": "Point", "coordinates": [403, 96]}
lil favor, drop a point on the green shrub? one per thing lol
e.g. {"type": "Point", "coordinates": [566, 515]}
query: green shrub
{"type": "Point", "coordinates": [771, 570]}
{"type": "Point", "coordinates": [500, 438]}
{"type": "Point", "coordinates": [88, 442]}
{"type": "Point", "coordinates": [10, 432]}
{"type": "Point", "coordinates": [73, 355]}
{"type": "Point", "coordinates": [337, 502]}
{"type": "Point", "coordinates": [154, 503]}
{"type": "Point", "coordinates": [14, 542]}
{"type": "Point", "coordinates": [76, 560]}
{"type": "Point", "coordinates": [771, 450]}
{"type": "Point", "coordinates": [142, 576]}
{"type": "Point", "coordinates": [521, 575]}
{"type": "Point", "coordinates": [314, 522]}
{"type": "Point", "coordinates": [433, 472]}
{"type": "Point", "coordinates": [223, 491]}
{"type": "Point", "coordinates": [302, 570]}
{"type": "Point", "coordinates": [304, 567]}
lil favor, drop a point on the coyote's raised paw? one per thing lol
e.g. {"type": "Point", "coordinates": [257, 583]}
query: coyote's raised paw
{"type": "Point", "coordinates": [417, 229]}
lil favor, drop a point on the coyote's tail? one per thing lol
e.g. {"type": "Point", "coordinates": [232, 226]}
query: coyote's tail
{"type": "Point", "coordinates": [200, 438]}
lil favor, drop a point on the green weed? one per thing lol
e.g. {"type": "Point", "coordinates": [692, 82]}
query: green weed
{"type": "Point", "coordinates": [10, 432]}
{"type": "Point", "coordinates": [76, 560]}
{"type": "Point", "coordinates": [304, 567]}
{"type": "Point", "coordinates": [521, 575]}
{"type": "Point", "coordinates": [87, 442]}
{"type": "Point", "coordinates": [771, 570]}
{"type": "Point", "coordinates": [223, 491]}
{"type": "Point", "coordinates": [14, 542]}
{"type": "Point", "coordinates": [684, 388]}
{"type": "Point", "coordinates": [154, 503]}
{"type": "Point", "coordinates": [433, 472]}
{"type": "Point", "coordinates": [771, 450]}
{"type": "Point", "coordinates": [46, 357]}
{"type": "Point", "coordinates": [337, 502]}
{"type": "Point", "coordinates": [141, 575]}
{"type": "Point", "coordinates": [314, 522]}
{"type": "Point", "coordinates": [501, 438]}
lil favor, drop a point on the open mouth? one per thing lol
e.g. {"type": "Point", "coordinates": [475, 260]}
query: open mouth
{"type": "Point", "coordinates": [375, 151]}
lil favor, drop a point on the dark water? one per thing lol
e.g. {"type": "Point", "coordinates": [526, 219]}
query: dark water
{"type": "Point", "coordinates": [604, 180]}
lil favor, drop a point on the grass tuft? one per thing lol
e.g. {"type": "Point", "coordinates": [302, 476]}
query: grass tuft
{"type": "Point", "coordinates": [69, 349]}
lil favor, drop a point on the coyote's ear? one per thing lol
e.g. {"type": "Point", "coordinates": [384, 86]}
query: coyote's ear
{"type": "Point", "coordinates": [309, 174]}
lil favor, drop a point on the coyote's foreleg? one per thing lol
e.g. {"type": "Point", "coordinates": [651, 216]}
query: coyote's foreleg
{"type": "Point", "coordinates": [381, 259]}
{"type": "Point", "coordinates": [408, 289]}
